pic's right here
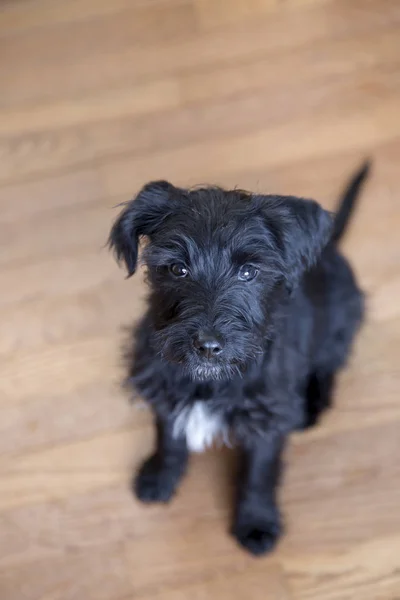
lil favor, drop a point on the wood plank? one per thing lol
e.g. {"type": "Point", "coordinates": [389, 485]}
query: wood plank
{"type": "Point", "coordinates": [88, 359]}
{"type": "Point", "coordinates": [31, 14]}
{"type": "Point", "coordinates": [70, 576]}
{"type": "Point", "coordinates": [42, 322]}
{"type": "Point", "coordinates": [73, 69]}
{"type": "Point", "coordinates": [143, 99]}
{"type": "Point", "coordinates": [101, 42]}
{"type": "Point", "coordinates": [22, 199]}
{"type": "Point", "coordinates": [355, 128]}
{"type": "Point", "coordinates": [370, 570]}
{"type": "Point", "coordinates": [213, 13]}
{"type": "Point", "coordinates": [213, 103]}
{"type": "Point", "coordinates": [61, 417]}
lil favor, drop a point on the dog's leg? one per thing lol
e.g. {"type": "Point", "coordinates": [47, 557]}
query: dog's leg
{"type": "Point", "coordinates": [160, 474]}
{"type": "Point", "coordinates": [257, 524]}
{"type": "Point", "coordinates": [318, 396]}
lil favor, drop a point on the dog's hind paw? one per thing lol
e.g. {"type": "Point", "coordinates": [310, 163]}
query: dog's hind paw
{"type": "Point", "coordinates": [257, 536]}
{"type": "Point", "coordinates": [155, 482]}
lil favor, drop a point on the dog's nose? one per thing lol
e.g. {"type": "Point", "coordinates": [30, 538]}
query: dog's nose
{"type": "Point", "coordinates": [208, 344]}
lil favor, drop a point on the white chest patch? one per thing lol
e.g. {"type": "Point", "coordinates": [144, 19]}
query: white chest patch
{"type": "Point", "coordinates": [200, 426]}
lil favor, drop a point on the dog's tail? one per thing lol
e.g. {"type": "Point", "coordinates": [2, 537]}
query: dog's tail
{"type": "Point", "coordinates": [348, 201]}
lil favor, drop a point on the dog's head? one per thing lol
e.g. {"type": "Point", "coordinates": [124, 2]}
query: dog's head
{"type": "Point", "coordinates": [219, 262]}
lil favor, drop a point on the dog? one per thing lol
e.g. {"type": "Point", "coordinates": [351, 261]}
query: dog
{"type": "Point", "coordinates": [252, 311]}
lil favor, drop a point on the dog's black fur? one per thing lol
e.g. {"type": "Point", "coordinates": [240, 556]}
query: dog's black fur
{"type": "Point", "coordinates": [252, 311]}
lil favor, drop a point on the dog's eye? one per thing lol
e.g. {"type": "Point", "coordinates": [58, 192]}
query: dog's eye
{"type": "Point", "coordinates": [247, 273]}
{"type": "Point", "coordinates": [178, 270]}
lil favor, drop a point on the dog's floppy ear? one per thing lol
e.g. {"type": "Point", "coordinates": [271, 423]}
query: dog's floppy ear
{"type": "Point", "coordinates": [301, 228]}
{"type": "Point", "coordinates": [141, 217]}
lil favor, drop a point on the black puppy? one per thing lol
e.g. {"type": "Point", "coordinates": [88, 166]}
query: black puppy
{"type": "Point", "coordinates": [252, 311]}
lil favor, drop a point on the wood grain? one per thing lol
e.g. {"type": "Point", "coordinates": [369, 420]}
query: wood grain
{"type": "Point", "coordinates": [97, 98]}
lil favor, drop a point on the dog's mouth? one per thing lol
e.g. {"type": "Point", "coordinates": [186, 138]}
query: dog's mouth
{"type": "Point", "coordinates": [207, 372]}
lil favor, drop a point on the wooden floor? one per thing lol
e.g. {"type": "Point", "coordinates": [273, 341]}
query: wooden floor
{"type": "Point", "coordinates": [97, 97]}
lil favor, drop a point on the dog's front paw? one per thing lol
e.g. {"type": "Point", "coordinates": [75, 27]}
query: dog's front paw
{"type": "Point", "coordinates": [257, 533]}
{"type": "Point", "coordinates": [155, 482]}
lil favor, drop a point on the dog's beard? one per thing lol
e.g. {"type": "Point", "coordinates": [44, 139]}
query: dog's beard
{"type": "Point", "coordinates": [206, 372]}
